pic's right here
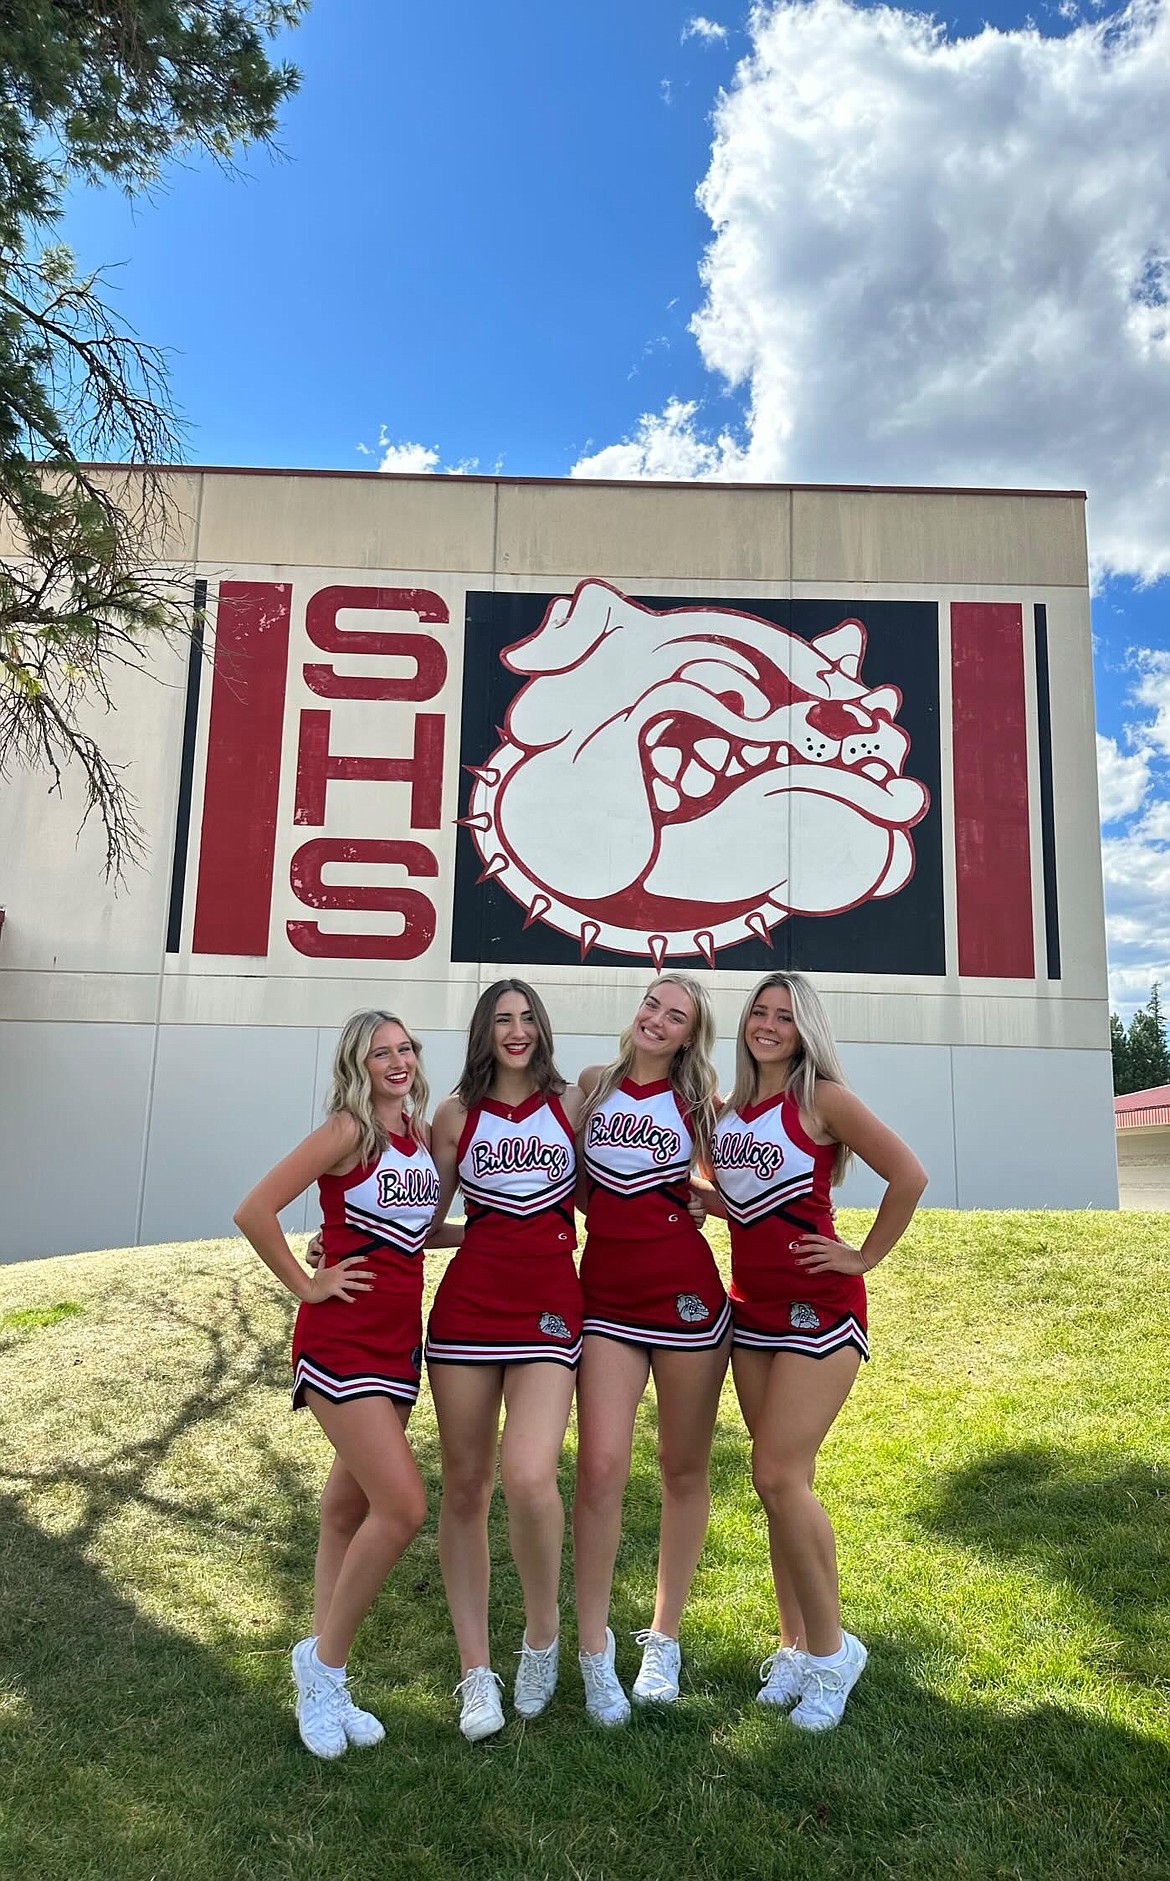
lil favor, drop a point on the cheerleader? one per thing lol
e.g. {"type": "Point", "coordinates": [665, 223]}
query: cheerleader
{"type": "Point", "coordinates": [505, 1329]}
{"type": "Point", "coordinates": [357, 1343]}
{"type": "Point", "coordinates": [784, 1137]}
{"type": "Point", "coordinates": [654, 1304]}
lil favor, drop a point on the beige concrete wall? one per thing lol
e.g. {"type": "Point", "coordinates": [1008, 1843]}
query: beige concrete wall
{"type": "Point", "coordinates": [76, 951]}
{"type": "Point", "coordinates": [74, 944]}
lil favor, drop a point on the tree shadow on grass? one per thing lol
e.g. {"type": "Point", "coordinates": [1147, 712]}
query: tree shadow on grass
{"type": "Point", "coordinates": [137, 1753]}
{"type": "Point", "coordinates": [131, 1750]}
{"type": "Point", "coordinates": [226, 1362]}
{"type": "Point", "coordinates": [237, 1359]}
{"type": "Point", "coordinates": [128, 1747]}
{"type": "Point", "coordinates": [1091, 1519]}
{"type": "Point", "coordinates": [915, 1786]}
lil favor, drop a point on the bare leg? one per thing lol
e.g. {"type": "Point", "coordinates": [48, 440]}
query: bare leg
{"type": "Point", "coordinates": [537, 1399]}
{"type": "Point", "coordinates": [467, 1405]}
{"type": "Point", "coordinates": [371, 1443]}
{"type": "Point", "coordinates": [343, 1510]}
{"type": "Point", "coordinates": [801, 1401]}
{"type": "Point", "coordinates": [610, 1383]}
{"type": "Point", "coordinates": [751, 1370]}
{"type": "Point", "coordinates": [687, 1386]}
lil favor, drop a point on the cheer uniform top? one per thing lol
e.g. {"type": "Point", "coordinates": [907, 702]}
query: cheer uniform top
{"type": "Point", "coordinates": [371, 1345]}
{"type": "Point", "coordinates": [774, 1181]}
{"type": "Point", "coordinates": [649, 1277]}
{"type": "Point", "coordinates": [510, 1295]}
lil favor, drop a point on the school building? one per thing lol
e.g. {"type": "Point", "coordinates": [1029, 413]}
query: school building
{"type": "Point", "coordinates": [431, 730]}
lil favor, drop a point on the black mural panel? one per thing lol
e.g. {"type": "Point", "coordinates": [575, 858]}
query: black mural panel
{"type": "Point", "coordinates": [702, 782]}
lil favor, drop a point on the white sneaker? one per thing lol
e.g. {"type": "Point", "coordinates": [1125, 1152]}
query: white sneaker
{"type": "Point", "coordinates": [362, 1729]}
{"type": "Point", "coordinates": [319, 1704]}
{"type": "Point", "coordinates": [782, 1674]}
{"type": "Point", "coordinates": [536, 1677]}
{"type": "Point", "coordinates": [827, 1687]}
{"type": "Point", "coordinates": [657, 1682]}
{"type": "Point", "coordinates": [605, 1700]}
{"type": "Point", "coordinates": [482, 1713]}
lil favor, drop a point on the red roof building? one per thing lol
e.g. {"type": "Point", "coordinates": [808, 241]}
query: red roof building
{"type": "Point", "coordinates": [1143, 1107]}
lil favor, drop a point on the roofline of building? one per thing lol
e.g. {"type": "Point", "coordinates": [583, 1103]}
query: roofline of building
{"type": "Point", "coordinates": [1156, 1115]}
{"type": "Point", "coordinates": [1152, 1096]}
{"type": "Point", "coordinates": [594, 483]}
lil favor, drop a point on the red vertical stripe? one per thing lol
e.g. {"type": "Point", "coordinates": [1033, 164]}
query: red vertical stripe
{"type": "Point", "coordinates": [992, 852]}
{"type": "Point", "coordinates": [233, 904]}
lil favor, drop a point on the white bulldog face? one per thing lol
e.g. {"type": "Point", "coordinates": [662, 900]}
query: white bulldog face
{"type": "Point", "coordinates": [677, 782]}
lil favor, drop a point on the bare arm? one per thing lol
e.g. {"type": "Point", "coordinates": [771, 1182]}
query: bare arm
{"type": "Point", "coordinates": [446, 1131]}
{"type": "Point", "coordinates": [708, 1195]}
{"type": "Point", "coordinates": [572, 1102]}
{"type": "Point", "coordinates": [441, 1233]}
{"type": "Point", "coordinates": [257, 1216]}
{"type": "Point", "coordinates": [586, 1085]}
{"type": "Point", "coordinates": [844, 1115]}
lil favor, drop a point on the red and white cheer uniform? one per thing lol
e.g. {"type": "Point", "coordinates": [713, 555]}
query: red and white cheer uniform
{"type": "Point", "coordinates": [371, 1344]}
{"type": "Point", "coordinates": [511, 1295]}
{"type": "Point", "coordinates": [648, 1275]}
{"type": "Point", "coordinates": [774, 1181]}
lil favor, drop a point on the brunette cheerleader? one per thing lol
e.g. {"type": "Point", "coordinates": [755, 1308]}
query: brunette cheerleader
{"type": "Point", "coordinates": [505, 1329]}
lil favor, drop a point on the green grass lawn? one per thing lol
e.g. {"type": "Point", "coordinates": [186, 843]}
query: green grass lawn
{"type": "Point", "coordinates": [999, 1485]}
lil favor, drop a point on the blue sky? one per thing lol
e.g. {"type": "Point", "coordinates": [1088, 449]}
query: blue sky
{"type": "Point", "coordinates": [919, 256]}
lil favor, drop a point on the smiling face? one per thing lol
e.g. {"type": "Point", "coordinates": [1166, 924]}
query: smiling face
{"type": "Point", "coordinates": [769, 1031]}
{"type": "Point", "coordinates": [391, 1063]}
{"type": "Point", "coordinates": [514, 1032]}
{"type": "Point", "coordinates": [664, 1022]}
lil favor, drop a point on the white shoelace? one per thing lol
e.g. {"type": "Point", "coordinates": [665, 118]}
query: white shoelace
{"type": "Point", "coordinates": [830, 1680]}
{"type": "Point", "coordinates": [655, 1653]}
{"type": "Point", "coordinates": [475, 1686]}
{"type": "Point", "coordinates": [783, 1655]}
{"type": "Point", "coordinates": [537, 1665]}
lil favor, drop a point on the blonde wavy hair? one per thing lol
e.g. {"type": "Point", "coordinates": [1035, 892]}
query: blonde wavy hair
{"type": "Point", "coordinates": [350, 1094]}
{"type": "Point", "coordinates": [692, 1075]}
{"type": "Point", "coordinates": [816, 1056]}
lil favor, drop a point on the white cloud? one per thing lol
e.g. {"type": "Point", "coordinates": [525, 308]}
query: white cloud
{"type": "Point", "coordinates": [941, 260]}
{"type": "Point", "coordinates": [412, 458]}
{"type": "Point", "coordinates": [1129, 987]}
{"type": "Point", "coordinates": [1154, 826]}
{"type": "Point", "coordinates": [1137, 901]}
{"type": "Point", "coordinates": [1153, 691]}
{"type": "Point", "coordinates": [417, 459]}
{"type": "Point", "coordinates": [699, 27]}
{"type": "Point", "coordinates": [665, 444]}
{"type": "Point", "coordinates": [1122, 782]}
{"type": "Point", "coordinates": [1135, 791]}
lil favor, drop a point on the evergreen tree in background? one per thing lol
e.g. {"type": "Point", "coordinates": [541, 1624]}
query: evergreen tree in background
{"type": "Point", "coordinates": [1141, 1056]}
{"type": "Point", "coordinates": [1120, 1047]}
{"type": "Point", "coordinates": [97, 91]}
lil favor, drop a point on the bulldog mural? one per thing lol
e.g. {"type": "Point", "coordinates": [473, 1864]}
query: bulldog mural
{"type": "Point", "coordinates": [672, 782]}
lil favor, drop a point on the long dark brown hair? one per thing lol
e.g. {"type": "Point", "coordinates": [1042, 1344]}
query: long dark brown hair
{"type": "Point", "coordinates": [481, 1065]}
